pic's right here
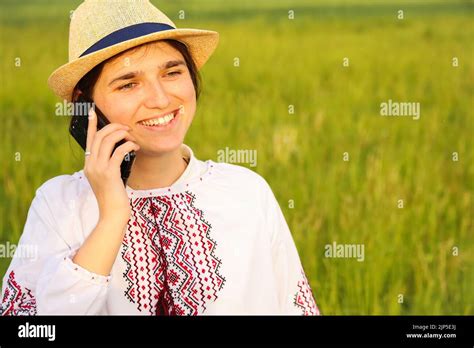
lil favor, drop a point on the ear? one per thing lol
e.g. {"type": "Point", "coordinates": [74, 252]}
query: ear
{"type": "Point", "coordinates": [76, 94]}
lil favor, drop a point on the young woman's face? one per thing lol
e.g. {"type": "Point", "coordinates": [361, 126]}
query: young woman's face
{"type": "Point", "coordinates": [146, 84]}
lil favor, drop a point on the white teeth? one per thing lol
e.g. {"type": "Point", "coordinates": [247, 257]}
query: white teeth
{"type": "Point", "coordinates": [159, 121]}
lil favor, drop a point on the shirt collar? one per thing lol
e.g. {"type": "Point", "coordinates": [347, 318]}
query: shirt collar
{"type": "Point", "coordinates": [194, 171]}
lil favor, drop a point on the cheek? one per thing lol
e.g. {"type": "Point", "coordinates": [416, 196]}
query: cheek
{"type": "Point", "coordinates": [117, 110]}
{"type": "Point", "coordinates": [183, 89]}
{"type": "Point", "coordinates": [190, 92]}
{"type": "Point", "coordinates": [187, 94]}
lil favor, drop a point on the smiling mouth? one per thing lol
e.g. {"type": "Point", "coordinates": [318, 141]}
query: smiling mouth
{"type": "Point", "coordinates": [161, 120]}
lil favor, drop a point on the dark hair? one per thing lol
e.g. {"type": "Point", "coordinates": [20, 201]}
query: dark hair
{"type": "Point", "coordinates": [85, 86]}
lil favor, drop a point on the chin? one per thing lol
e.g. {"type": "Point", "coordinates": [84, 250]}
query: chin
{"type": "Point", "coordinates": [161, 147]}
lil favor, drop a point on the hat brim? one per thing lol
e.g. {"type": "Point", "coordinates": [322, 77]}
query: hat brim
{"type": "Point", "coordinates": [201, 45]}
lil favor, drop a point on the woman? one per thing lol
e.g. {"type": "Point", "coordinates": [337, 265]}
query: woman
{"type": "Point", "coordinates": [183, 236]}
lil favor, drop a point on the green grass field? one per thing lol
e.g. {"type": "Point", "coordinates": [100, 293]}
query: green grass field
{"type": "Point", "coordinates": [299, 62]}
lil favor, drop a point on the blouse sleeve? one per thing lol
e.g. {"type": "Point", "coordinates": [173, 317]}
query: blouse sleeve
{"type": "Point", "coordinates": [41, 278]}
{"type": "Point", "coordinates": [294, 292]}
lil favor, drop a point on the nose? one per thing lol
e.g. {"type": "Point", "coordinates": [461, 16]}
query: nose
{"type": "Point", "coordinates": [156, 96]}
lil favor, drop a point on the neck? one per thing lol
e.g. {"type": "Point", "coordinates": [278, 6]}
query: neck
{"type": "Point", "coordinates": [150, 172]}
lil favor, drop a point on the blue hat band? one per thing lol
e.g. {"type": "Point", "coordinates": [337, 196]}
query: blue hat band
{"type": "Point", "coordinates": [125, 34]}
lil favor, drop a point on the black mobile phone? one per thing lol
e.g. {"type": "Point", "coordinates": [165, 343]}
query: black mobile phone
{"type": "Point", "coordinates": [78, 130]}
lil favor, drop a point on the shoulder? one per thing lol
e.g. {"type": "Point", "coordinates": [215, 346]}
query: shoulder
{"type": "Point", "coordinates": [63, 188]}
{"type": "Point", "coordinates": [240, 175]}
{"type": "Point", "coordinates": [55, 207]}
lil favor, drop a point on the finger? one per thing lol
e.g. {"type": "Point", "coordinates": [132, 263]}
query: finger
{"type": "Point", "coordinates": [110, 128]}
{"type": "Point", "coordinates": [120, 152]}
{"type": "Point", "coordinates": [91, 128]}
{"type": "Point", "coordinates": [110, 141]}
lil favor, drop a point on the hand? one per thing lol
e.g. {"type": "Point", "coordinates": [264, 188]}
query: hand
{"type": "Point", "coordinates": [102, 168]}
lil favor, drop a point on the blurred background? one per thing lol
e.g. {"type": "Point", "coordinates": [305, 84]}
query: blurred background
{"type": "Point", "coordinates": [306, 95]}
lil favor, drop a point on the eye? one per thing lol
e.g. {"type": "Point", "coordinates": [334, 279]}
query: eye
{"type": "Point", "coordinates": [129, 85]}
{"type": "Point", "coordinates": [174, 73]}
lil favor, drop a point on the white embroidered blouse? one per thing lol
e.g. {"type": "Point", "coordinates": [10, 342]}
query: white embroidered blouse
{"type": "Point", "coordinates": [214, 242]}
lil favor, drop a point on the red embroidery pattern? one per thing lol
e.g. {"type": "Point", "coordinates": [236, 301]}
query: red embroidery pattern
{"type": "Point", "coordinates": [304, 298]}
{"type": "Point", "coordinates": [17, 300]}
{"type": "Point", "coordinates": [171, 266]}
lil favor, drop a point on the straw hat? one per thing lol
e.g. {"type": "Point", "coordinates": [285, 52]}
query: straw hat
{"type": "Point", "coordinates": [100, 29]}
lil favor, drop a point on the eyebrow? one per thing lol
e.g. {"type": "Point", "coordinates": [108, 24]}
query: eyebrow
{"type": "Point", "coordinates": [132, 74]}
